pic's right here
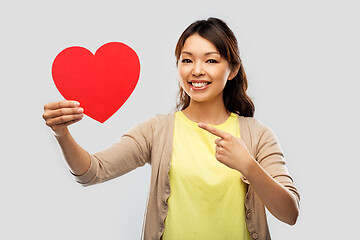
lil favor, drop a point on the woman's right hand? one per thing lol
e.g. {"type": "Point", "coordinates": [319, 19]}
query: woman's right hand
{"type": "Point", "coordinates": [59, 115]}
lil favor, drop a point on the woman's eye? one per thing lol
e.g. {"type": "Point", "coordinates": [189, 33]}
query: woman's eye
{"type": "Point", "coordinates": [186, 61]}
{"type": "Point", "coordinates": [212, 61]}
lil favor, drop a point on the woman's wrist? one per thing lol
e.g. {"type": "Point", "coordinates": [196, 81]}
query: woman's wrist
{"type": "Point", "coordinates": [62, 134]}
{"type": "Point", "coordinates": [248, 167]}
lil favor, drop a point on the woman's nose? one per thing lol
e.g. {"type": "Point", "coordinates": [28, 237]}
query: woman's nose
{"type": "Point", "coordinates": [198, 70]}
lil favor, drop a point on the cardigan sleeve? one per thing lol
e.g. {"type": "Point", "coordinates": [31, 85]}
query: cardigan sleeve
{"type": "Point", "coordinates": [132, 150]}
{"type": "Point", "coordinates": [270, 156]}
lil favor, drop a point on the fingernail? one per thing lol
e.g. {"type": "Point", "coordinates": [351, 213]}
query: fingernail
{"type": "Point", "coordinates": [76, 104]}
{"type": "Point", "coordinates": [80, 110]}
{"type": "Point", "coordinates": [200, 124]}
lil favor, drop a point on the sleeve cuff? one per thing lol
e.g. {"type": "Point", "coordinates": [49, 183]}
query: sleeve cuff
{"type": "Point", "coordinates": [86, 178]}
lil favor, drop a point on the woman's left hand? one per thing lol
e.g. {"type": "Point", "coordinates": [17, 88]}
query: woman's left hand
{"type": "Point", "coordinates": [233, 152]}
{"type": "Point", "coordinates": [230, 150]}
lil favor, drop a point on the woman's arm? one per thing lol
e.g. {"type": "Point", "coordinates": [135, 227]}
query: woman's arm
{"type": "Point", "coordinates": [59, 115]}
{"type": "Point", "coordinates": [75, 156]}
{"type": "Point", "coordinates": [132, 150]}
{"type": "Point", "coordinates": [277, 199]}
{"type": "Point", "coordinates": [232, 152]}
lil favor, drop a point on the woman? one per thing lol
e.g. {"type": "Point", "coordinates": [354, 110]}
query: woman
{"type": "Point", "coordinates": [221, 165]}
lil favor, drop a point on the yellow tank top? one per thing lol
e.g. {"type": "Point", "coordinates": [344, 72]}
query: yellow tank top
{"type": "Point", "coordinates": [207, 198]}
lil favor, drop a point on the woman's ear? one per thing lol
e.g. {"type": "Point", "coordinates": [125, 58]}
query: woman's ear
{"type": "Point", "coordinates": [234, 71]}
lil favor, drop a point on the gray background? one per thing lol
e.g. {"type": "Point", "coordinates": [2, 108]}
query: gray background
{"type": "Point", "coordinates": [302, 61]}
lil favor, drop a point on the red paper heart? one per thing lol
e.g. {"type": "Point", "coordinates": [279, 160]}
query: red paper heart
{"type": "Point", "coordinates": [102, 82]}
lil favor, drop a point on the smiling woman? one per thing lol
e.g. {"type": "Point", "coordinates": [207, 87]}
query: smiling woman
{"type": "Point", "coordinates": [222, 45]}
{"type": "Point", "coordinates": [200, 65]}
{"type": "Point", "coordinates": [214, 168]}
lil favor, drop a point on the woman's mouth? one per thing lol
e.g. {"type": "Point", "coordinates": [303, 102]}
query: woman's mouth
{"type": "Point", "coordinates": [196, 86]}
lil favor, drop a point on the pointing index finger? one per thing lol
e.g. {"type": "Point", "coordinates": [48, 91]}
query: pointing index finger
{"type": "Point", "coordinates": [213, 130]}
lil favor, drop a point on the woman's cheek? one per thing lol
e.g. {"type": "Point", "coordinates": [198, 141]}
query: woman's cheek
{"type": "Point", "coordinates": [184, 71]}
{"type": "Point", "coordinates": [183, 75]}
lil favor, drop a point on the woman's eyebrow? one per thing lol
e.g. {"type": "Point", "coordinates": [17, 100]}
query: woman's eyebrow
{"type": "Point", "coordinates": [185, 52]}
{"type": "Point", "coordinates": [208, 53]}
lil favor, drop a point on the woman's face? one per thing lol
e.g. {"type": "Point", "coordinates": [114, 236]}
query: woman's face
{"type": "Point", "coordinates": [203, 72]}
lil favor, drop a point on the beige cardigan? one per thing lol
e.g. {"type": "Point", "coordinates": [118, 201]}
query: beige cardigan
{"type": "Point", "coordinates": [151, 142]}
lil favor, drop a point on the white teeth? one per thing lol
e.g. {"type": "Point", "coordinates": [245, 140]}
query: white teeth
{"type": "Point", "coordinates": [198, 85]}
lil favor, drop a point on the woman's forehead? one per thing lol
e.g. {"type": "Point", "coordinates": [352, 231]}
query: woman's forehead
{"type": "Point", "coordinates": [195, 44]}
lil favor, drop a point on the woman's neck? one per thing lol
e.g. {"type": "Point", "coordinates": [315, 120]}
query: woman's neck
{"type": "Point", "coordinates": [210, 112]}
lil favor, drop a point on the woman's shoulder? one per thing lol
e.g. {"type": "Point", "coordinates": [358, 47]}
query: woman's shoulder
{"type": "Point", "coordinates": [255, 130]}
{"type": "Point", "coordinates": [154, 125]}
{"type": "Point", "coordinates": [251, 123]}
{"type": "Point", "coordinates": [161, 119]}
{"type": "Point", "coordinates": [157, 121]}
{"type": "Point", "coordinates": [259, 138]}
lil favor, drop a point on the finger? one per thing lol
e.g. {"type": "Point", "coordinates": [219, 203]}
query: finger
{"type": "Point", "coordinates": [63, 119]}
{"type": "Point", "coordinates": [218, 157]}
{"type": "Point", "coordinates": [213, 130]}
{"type": "Point", "coordinates": [218, 141]}
{"type": "Point", "coordinates": [60, 126]}
{"type": "Point", "coordinates": [61, 112]}
{"type": "Point", "coordinates": [61, 104]}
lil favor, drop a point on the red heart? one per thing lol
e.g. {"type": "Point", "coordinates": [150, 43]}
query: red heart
{"type": "Point", "coordinates": [102, 82]}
